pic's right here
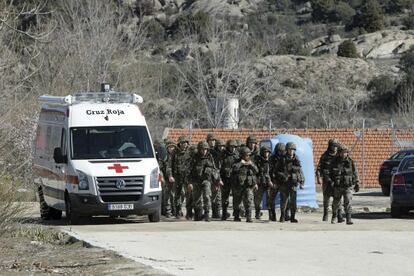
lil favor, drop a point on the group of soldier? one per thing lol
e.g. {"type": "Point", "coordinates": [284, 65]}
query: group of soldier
{"type": "Point", "coordinates": [204, 177]}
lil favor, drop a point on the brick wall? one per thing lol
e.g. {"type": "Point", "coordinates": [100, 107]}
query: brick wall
{"type": "Point", "coordinates": [378, 143]}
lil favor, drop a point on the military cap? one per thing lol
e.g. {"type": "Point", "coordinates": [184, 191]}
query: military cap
{"type": "Point", "coordinates": [202, 145]}
{"type": "Point", "coordinates": [333, 143]}
{"type": "Point", "coordinates": [183, 139]}
{"type": "Point", "coordinates": [343, 148]}
{"type": "Point", "coordinates": [280, 147]}
{"type": "Point", "coordinates": [169, 142]}
{"type": "Point", "coordinates": [290, 145]}
{"type": "Point", "coordinates": [211, 136]}
{"type": "Point", "coordinates": [251, 139]}
{"type": "Point", "coordinates": [245, 151]}
{"type": "Point", "coordinates": [264, 149]}
{"type": "Point", "coordinates": [238, 143]}
{"type": "Point", "coordinates": [231, 143]}
{"type": "Point", "coordinates": [219, 143]}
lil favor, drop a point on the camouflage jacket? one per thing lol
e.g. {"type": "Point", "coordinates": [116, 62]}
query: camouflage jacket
{"type": "Point", "coordinates": [217, 156]}
{"type": "Point", "coordinates": [166, 165]}
{"type": "Point", "coordinates": [245, 175]}
{"type": "Point", "coordinates": [202, 168]}
{"type": "Point", "coordinates": [180, 163]}
{"type": "Point", "coordinates": [289, 171]}
{"type": "Point", "coordinates": [275, 161]}
{"type": "Point", "coordinates": [324, 167]}
{"type": "Point", "coordinates": [264, 167]}
{"type": "Point", "coordinates": [344, 172]}
{"type": "Point", "coordinates": [227, 162]}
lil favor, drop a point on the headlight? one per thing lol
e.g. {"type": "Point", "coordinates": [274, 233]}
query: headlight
{"type": "Point", "coordinates": [154, 179]}
{"type": "Point", "coordinates": [83, 181]}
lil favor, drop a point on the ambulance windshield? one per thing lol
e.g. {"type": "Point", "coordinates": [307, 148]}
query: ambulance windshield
{"type": "Point", "coordinates": [110, 142]}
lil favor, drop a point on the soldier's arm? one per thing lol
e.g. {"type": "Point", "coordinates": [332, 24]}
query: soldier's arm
{"type": "Point", "coordinates": [319, 167]}
{"type": "Point", "coordinates": [355, 173]}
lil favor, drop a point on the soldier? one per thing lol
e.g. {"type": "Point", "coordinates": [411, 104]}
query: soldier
{"type": "Point", "coordinates": [264, 180]}
{"type": "Point", "coordinates": [244, 173]}
{"type": "Point", "coordinates": [202, 171]}
{"type": "Point", "coordinates": [179, 173]}
{"type": "Point", "coordinates": [345, 176]}
{"type": "Point", "coordinates": [275, 161]}
{"type": "Point", "coordinates": [167, 189]}
{"type": "Point", "coordinates": [323, 177]}
{"type": "Point", "coordinates": [251, 143]}
{"type": "Point", "coordinates": [230, 157]}
{"type": "Point", "coordinates": [289, 174]}
{"type": "Point", "coordinates": [215, 189]}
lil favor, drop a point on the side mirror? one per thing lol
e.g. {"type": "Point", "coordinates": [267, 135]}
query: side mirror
{"type": "Point", "coordinates": [58, 156]}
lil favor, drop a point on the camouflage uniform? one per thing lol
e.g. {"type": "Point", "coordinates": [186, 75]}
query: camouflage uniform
{"type": "Point", "coordinates": [202, 175]}
{"type": "Point", "coordinates": [180, 171]}
{"type": "Point", "coordinates": [230, 157]}
{"type": "Point", "coordinates": [264, 182]}
{"type": "Point", "coordinates": [244, 173]}
{"type": "Point", "coordinates": [251, 143]}
{"type": "Point", "coordinates": [289, 174]}
{"type": "Point", "coordinates": [345, 176]}
{"type": "Point", "coordinates": [323, 172]}
{"type": "Point", "coordinates": [167, 188]}
{"type": "Point", "coordinates": [215, 189]}
{"type": "Point", "coordinates": [275, 161]}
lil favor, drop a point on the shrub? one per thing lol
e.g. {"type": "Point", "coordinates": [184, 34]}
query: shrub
{"type": "Point", "coordinates": [369, 17]}
{"type": "Point", "coordinates": [383, 91]}
{"type": "Point", "coordinates": [10, 204]}
{"type": "Point", "coordinates": [322, 9]}
{"type": "Point", "coordinates": [343, 12]}
{"type": "Point", "coordinates": [407, 61]}
{"type": "Point", "coordinates": [347, 49]}
{"type": "Point", "coordinates": [154, 31]}
{"type": "Point", "coordinates": [408, 21]}
{"type": "Point", "coordinates": [198, 24]}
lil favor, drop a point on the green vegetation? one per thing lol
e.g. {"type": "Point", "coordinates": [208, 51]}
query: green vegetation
{"type": "Point", "coordinates": [347, 49]}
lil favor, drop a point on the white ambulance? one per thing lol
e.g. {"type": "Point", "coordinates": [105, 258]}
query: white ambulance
{"type": "Point", "coordinates": [93, 155]}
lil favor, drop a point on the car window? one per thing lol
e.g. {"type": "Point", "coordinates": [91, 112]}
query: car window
{"type": "Point", "coordinates": [408, 165]}
{"type": "Point", "coordinates": [400, 155]}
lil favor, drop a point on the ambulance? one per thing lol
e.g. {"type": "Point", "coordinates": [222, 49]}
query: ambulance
{"type": "Point", "coordinates": [93, 156]}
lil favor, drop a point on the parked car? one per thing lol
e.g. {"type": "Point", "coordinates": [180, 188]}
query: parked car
{"type": "Point", "coordinates": [402, 188]}
{"type": "Point", "coordinates": [389, 166]}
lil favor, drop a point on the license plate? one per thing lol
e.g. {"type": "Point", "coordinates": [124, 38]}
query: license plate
{"type": "Point", "coordinates": [115, 207]}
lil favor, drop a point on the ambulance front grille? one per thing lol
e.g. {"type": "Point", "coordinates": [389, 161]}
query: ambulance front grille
{"type": "Point", "coordinates": [131, 190]}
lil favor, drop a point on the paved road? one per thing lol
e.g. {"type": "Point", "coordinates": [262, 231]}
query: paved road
{"type": "Point", "coordinates": [374, 245]}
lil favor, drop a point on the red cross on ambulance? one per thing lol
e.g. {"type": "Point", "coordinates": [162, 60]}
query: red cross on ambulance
{"type": "Point", "coordinates": [118, 168]}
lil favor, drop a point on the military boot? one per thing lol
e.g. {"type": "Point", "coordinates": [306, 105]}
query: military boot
{"type": "Point", "coordinates": [249, 216]}
{"type": "Point", "coordinates": [177, 214]}
{"type": "Point", "coordinates": [198, 215]}
{"type": "Point", "coordinates": [189, 214]}
{"type": "Point", "coordinates": [340, 217]}
{"type": "Point", "coordinates": [325, 214]}
{"type": "Point", "coordinates": [224, 214]}
{"type": "Point", "coordinates": [287, 214]}
{"type": "Point", "coordinates": [334, 218]}
{"type": "Point", "coordinates": [206, 216]}
{"type": "Point", "coordinates": [272, 214]}
{"type": "Point", "coordinates": [236, 216]}
{"type": "Point", "coordinates": [292, 218]}
{"type": "Point", "coordinates": [282, 218]}
{"type": "Point", "coordinates": [349, 219]}
{"type": "Point", "coordinates": [257, 216]}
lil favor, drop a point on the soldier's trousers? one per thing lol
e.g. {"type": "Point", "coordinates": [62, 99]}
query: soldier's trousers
{"type": "Point", "coordinates": [328, 192]}
{"type": "Point", "coordinates": [168, 198]}
{"type": "Point", "coordinates": [225, 193]}
{"type": "Point", "coordinates": [340, 192]}
{"type": "Point", "coordinates": [243, 195]}
{"type": "Point", "coordinates": [216, 199]}
{"type": "Point", "coordinates": [287, 195]}
{"type": "Point", "coordinates": [271, 200]}
{"type": "Point", "coordinates": [258, 197]}
{"type": "Point", "coordinates": [202, 197]}
{"type": "Point", "coordinates": [181, 192]}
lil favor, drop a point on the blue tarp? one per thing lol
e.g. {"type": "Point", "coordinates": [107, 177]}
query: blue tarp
{"type": "Point", "coordinates": [304, 151]}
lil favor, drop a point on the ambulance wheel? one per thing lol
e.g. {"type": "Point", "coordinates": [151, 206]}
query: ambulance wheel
{"type": "Point", "coordinates": [45, 211]}
{"type": "Point", "coordinates": [155, 217]}
{"type": "Point", "coordinates": [71, 216]}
